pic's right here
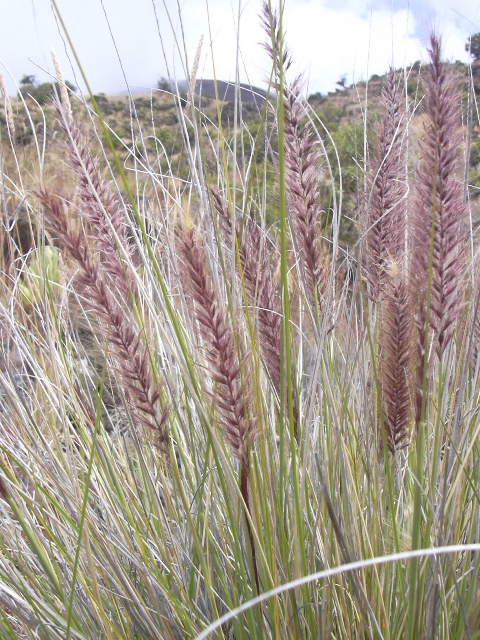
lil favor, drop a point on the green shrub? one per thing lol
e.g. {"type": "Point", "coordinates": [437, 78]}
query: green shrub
{"type": "Point", "coordinates": [44, 92]}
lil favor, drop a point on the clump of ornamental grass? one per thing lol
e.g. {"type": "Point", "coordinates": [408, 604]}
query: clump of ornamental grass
{"type": "Point", "coordinates": [242, 423]}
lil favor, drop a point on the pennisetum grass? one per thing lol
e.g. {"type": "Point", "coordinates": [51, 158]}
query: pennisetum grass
{"type": "Point", "coordinates": [303, 172]}
{"type": "Point", "coordinates": [204, 431]}
{"type": "Point", "coordinates": [384, 215]}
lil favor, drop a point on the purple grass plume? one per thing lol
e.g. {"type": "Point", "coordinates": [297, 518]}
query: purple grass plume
{"type": "Point", "coordinates": [438, 202]}
{"type": "Point", "coordinates": [383, 219]}
{"type": "Point", "coordinates": [233, 398]}
{"type": "Point", "coordinates": [438, 214]}
{"type": "Point", "coordinates": [101, 207]}
{"type": "Point", "coordinates": [258, 276]}
{"type": "Point", "coordinates": [395, 360]}
{"type": "Point", "coordinates": [233, 394]}
{"type": "Point", "coordinates": [303, 174]}
{"type": "Point", "coordinates": [255, 270]}
{"type": "Point", "coordinates": [118, 328]}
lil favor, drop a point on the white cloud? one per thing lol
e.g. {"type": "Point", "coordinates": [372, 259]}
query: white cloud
{"type": "Point", "coordinates": [328, 38]}
{"type": "Point", "coordinates": [333, 42]}
{"type": "Point", "coordinates": [326, 42]}
{"type": "Point", "coordinates": [463, 12]}
{"type": "Point", "coordinates": [220, 38]}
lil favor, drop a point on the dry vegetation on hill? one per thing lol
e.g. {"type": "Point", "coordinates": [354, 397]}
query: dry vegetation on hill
{"type": "Point", "coordinates": [145, 128]}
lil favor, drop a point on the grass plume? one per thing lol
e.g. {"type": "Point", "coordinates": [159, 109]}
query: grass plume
{"type": "Point", "coordinates": [439, 202]}
{"type": "Point", "coordinates": [395, 360]}
{"type": "Point", "coordinates": [303, 174]}
{"type": "Point", "coordinates": [384, 215]}
{"type": "Point", "coordinates": [118, 326]}
{"type": "Point", "coordinates": [233, 399]}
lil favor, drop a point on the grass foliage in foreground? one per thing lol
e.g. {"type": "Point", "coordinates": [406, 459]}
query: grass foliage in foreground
{"type": "Point", "coordinates": [197, 408]}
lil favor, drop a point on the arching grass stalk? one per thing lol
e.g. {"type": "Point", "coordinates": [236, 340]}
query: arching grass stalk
{"type": "Point", "coordinates": [335, 571]}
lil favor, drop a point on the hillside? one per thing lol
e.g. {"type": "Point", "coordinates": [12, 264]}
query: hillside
{"type": "Point", "coordinates": [147, 130]}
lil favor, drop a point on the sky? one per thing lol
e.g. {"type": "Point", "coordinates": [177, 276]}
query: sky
{"type": "Point", "coordinates": [136, 42]}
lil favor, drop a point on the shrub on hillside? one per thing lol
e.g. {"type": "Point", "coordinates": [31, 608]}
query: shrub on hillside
{"type": "Point", "coordinates": [44, 92]}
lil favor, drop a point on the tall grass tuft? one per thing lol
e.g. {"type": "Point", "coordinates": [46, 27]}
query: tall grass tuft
{"type": "Point", "coordinates": [207, 430]}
